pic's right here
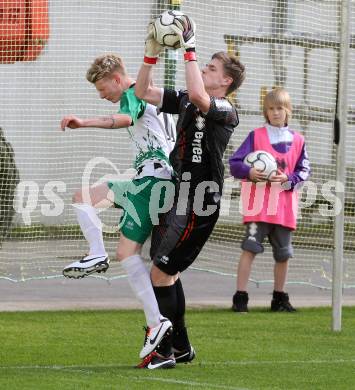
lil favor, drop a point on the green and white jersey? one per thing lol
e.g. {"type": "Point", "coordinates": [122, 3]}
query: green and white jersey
{"type": "Point", "coordinates": [153, 136]}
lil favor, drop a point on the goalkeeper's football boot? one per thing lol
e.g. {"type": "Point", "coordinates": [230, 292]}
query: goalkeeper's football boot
{"type": "Point", "coordinates": [240, 302]}
{"type": "Point", "coordinates": [185, 355]}
{"type": "Point", "coordinates": [183, 351]}
{"type": "Point", "coordinates": [153, 337]}
{"type": "Point", "coordinates": [87, 266]}
{"type": "Point", "coordinates": [154, 360]}
{"type": "Point", "coordinates": [281, 302]}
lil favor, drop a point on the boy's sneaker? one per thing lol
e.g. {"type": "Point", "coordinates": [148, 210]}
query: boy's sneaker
{"type": "Point", "coordinates": [240, 302]}
{"type": "Point", "coordinates": [184, 356]}
{"type": "Point", "coordinates": [153, 336]}
{"type": "Point", "coordinates": [281, 302]}
{"type": "Point", "coordinates": [86, 266]}
{"type": "Point", "coordinates": [154, 360]}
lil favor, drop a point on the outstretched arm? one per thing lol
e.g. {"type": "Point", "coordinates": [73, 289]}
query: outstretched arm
{"type": "Point", "coordinates": [195, 87]}
{"type": "Point", "coordinates": [144, 88]}
{"type": "Point", "coordinates": [194, 83]}
{"type": "Point", "coordinates": [115, 121]}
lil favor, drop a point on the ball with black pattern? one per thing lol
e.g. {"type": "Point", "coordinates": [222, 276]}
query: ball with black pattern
{"type": "Point", "coordinates": [163, 32]}
{"type": "Point", "coordinates": [262, 161]}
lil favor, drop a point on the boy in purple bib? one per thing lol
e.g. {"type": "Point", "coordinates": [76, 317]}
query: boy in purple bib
{"type": "Point", "coordinates": [270, 207]}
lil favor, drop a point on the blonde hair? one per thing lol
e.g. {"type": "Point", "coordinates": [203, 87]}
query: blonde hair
{"type": "Point", "coordinates": [278, 97]}
{"type": "Point", "coordinates": [105, 66]}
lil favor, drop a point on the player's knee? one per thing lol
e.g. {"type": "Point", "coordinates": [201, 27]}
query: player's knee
{"type": "Point", "coordinates": [160, 278]}
{"type": "Point", "coordinates": [282, 254]}
{"type": "Point", "coordinates": [249, 255]}
{"type": "Point", "coordinates": [121, 253]}
{"type": "Point", "coordinates": [252, 246]}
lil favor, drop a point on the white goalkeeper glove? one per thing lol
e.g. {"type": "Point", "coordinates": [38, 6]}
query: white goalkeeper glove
{"type": "Point", "coordinates": [186, 33]}
{"type": "Point", "coordinates": [152, 48]}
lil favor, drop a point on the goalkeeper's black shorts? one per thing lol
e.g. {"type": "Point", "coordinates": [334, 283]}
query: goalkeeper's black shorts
{"type": "Point", "coordinates": [178, 239]}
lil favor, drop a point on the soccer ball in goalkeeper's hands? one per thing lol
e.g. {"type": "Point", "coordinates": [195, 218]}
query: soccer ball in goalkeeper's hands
{"type": "Point", "coordinates": [163, 33]}
{"type": "Point", "coordinates": [262, 161]}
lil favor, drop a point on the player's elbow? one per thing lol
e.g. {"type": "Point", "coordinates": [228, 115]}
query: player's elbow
{"type": "Point", "coordinates": [139, 92]}
{"type": "Point", "coordinates": [199, 100]}
{"type": "Point", "coordinates": [128, 122]}
{"type": "Point", "coordinates": [232, 169]}
{"type": "Point", "coordinates": [142, 93]}
{"type": "Point", "coordinates": [121, 120]}
{"type": "Point", "coordinates": [195, 97]}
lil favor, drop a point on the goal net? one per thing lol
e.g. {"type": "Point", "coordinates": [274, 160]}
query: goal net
{"type": "Point", "coordinates": [290, 43]}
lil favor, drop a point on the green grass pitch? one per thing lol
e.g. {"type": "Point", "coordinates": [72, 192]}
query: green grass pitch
{"type": "Point", "coordinates": [98, 349]}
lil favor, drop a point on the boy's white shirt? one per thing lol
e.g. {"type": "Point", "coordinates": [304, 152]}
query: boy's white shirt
{"type": "Point", "coordinates": [278, 134]}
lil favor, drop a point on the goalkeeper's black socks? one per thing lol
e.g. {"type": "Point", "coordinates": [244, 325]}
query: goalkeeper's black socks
{"type": "Point", "coordinates": [179, 320]}
{"type": "Point", "coordinates": [165, 347]}
{"type": "Point", "coordinates": [181, 340]}
{"type": "Point", "coordinates": [171, 301]}
{"type": "Point", "coordinates": [167, 301]}
{"type": "Point", "coordinates": [180, 337]}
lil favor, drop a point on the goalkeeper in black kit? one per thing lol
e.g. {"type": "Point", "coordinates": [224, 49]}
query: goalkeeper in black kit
{"type": "Point", "coordinates": [205, 124]}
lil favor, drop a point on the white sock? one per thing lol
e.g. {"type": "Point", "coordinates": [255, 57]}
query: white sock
{"type": "Point", "coordinates": [91, 226]}
{"type": "Point", "coordinates": [139, 280]}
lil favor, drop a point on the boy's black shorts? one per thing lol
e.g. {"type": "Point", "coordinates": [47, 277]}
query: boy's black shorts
{"type": "Point", "coordinates": [280, 238]}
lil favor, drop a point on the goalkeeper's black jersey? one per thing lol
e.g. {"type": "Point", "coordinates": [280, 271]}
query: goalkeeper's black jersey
{"type": "Point", "coordinates": [201, 138]}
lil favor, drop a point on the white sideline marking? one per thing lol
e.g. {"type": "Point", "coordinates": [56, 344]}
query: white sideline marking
{"type": "Point", "coordinates": [86, 370]}
{"type": "Point", "coordinates": [189, 383]}
{"type": "Point", "coordinates": [225, 363]}
{"type": "Point", "coordinates": [266, 362]}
